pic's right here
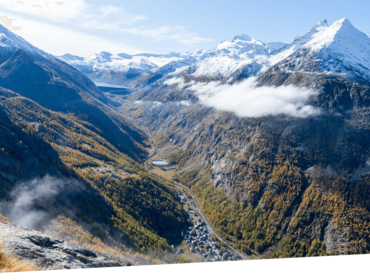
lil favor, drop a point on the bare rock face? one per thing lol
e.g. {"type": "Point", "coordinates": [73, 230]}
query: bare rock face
{"type": "Point", "coordinates": [48, 253]}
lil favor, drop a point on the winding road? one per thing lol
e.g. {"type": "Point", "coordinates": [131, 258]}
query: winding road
{"type": "Point", "coordinates": [196, 206]}
{"type": "Point", "coordinates": [197, 209]}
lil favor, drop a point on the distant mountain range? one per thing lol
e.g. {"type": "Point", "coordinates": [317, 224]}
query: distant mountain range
{"type": "Point", "coordinates": [339, 48]}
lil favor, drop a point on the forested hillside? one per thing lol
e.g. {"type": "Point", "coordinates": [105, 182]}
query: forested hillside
{"type": "Point", "coordinates": [278, 186]}
{"type": "Point", "coordinates": [56, 126]}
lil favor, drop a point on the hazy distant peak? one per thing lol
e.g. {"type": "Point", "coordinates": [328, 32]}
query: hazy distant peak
{"type": "Point", "coordinates": [242, 37]}
{"type": "Point", "coordinates": [69, 56]}
{"type": "Point", "coordinates": [125, 55]}
{"type": "Point", "coordinates": [105, 55]}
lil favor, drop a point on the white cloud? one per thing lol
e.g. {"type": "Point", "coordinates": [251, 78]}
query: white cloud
{"type": "Point", "coordinates": [185, 103]}
{"type": "Point", "coordinates": [58, 40]}
{"type": "Point", "coordinates": [121, 21]}
{"type": "Point", "coordinates": [177, 34]}
{"type": "Point", "coordinates": [117, 11]}
{"type": "Point", "coordinates": [23, 208]}
{"type": "Point", "coordinates": [55, 10]}
{"type": "Point", "coordinates": [110, 18]}
{"type": "Point", "coordinates": [245, 99]}
{"type": "Point", "coordinates": [111, 10]}
{"type": "Point", "coordinates": [84, 17]}
{"type": "Point", "coordinates": [180, 82]}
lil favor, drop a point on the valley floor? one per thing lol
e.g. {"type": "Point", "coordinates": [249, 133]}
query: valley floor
{"type": "Point", "coordinates": [205, 245]}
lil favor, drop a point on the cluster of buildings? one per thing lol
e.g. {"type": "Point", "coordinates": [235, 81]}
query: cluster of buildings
{"type": "Point", "coordinates": [199, 240]}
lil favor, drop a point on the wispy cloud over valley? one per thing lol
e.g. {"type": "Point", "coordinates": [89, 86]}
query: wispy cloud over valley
{"type": "Point", "coordinates": [246, 99]}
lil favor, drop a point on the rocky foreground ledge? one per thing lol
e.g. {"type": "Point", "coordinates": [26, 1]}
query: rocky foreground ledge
{"type": "Point", "coordinates": [48, 253]}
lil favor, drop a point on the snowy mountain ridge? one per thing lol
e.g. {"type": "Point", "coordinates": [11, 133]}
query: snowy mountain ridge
{"type": "Point", "coordinates": [9, 42]}
{"type": "Point", "coordinates": [338, 48]}
{"type": "Point", "coordinates": [121, 68]}
{"type": "Point", "coordinates": [341, 47]}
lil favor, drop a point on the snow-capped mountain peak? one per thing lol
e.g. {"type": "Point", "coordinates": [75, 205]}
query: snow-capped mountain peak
{"type": "Point", "coordinates": [278, 54]}
{"type": "Point", "coordinates": [341, 48]}
{"type": "Point", "coordinates": [101, 57]}
{"type": "Point", "coordinates": [240, 45]}
{"type": "Point", "coordinates": [9, 41]}
{"type": "Point", "coordinates": [201, 54]}
{"type": "Point", "coordinates": [341, 30]}
{"type": "Point", "coordinates": [338, 48]}
{"type": "Point", "coordinates": [321, 25]}
{"type": "Point", "coordinates": [71, 57]}
{"type": "Point", "coordinates": [299, 41]}
{"type": "Point", "coordinates": [125, 55]}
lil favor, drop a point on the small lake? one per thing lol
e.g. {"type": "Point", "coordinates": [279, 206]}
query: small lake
{"type": "Point", "coordinates": [105, 85]}
{"type": "Point", "coordinates": [160, 162]}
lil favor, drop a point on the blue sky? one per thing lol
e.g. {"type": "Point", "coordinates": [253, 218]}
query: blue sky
{"type": "Point", "coordinates": [83, 27]}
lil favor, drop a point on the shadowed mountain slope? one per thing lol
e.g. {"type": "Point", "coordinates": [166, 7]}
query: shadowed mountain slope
{"type": "Point", "coordinates": [36, 80]}
{"type": "Point", "coordinates": [55, 124]}
{"type": "Point", "coordinates": [24, 155]}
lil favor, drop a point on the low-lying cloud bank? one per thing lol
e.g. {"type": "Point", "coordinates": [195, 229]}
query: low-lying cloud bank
{"type": "Point", "coordinates": [26, 198]}
{"type": "Point", "coordinates": [245, 99]}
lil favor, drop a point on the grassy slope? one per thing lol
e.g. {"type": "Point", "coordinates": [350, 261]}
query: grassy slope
{"type": "Point", "coordinates": [9, 263]}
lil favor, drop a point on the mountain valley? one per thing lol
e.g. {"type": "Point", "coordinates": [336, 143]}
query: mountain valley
{"type": "Point", "coordinates": [276, 186]}
{"type": "Point", "coordinates": [60, 137]}
{"type": "Point", "coordinates": [290, 180]}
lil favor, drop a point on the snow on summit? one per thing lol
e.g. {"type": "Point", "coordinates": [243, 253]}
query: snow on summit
{"type": "Point", "coordinates": [339, 48]}
{"type": "Point", "coordinates": [340, 32]}
{"type": "Point", "coordinates": [342, 47]}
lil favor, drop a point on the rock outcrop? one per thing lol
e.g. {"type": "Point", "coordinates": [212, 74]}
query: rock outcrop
{"type": "Point", "coordinates": [49, 253]}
